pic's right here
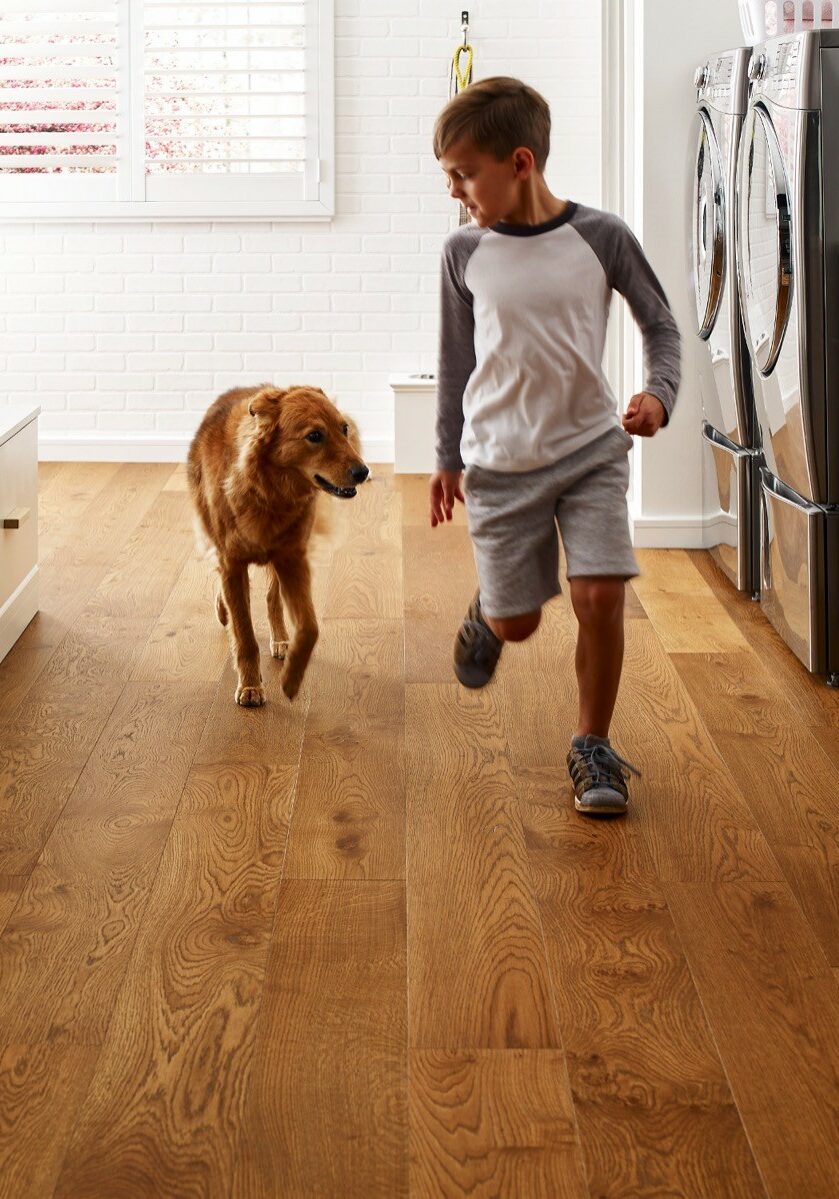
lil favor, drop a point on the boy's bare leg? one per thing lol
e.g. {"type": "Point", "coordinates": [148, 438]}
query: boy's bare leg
{"type": "Point", "coordinates": [598, 605]}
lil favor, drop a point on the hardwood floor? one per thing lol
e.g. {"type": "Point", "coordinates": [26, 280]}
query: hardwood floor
{"type": "Point", "coordinates": [362, 945]}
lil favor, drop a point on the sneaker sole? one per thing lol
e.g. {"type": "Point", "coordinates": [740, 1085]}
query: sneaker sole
{"type": "Point", "coordinates": [601, 809]}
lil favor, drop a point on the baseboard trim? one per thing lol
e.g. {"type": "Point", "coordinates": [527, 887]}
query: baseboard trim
{"type": "Point", "coordinates": [669, 532]}
{"type": "Point", "coordinates": [150, 447]}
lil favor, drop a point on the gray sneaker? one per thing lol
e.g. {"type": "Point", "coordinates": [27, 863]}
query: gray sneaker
{"type": "Point", "coordinates": [476, 648]}
{"type": "Point", "coordinates": [598, 775]}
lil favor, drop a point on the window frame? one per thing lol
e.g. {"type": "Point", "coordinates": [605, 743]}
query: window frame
{"type": "Point", "coordinates": [319, 175]}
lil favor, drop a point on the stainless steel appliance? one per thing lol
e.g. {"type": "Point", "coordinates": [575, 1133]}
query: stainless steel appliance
{"type": "Point", "coordinates": [788, 255]}
{"type": "Point", "coordinates": [729, 431]}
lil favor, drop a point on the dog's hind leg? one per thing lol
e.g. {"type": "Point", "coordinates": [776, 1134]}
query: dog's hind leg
{"type": "Point", "coordinates": [221, 607]}
{"type": "Point", "coordinates": [297, 588]}
{"type": "Point", "coordinates": [236, 588]}
{"type": "Point", "coordinates": [276, 620]}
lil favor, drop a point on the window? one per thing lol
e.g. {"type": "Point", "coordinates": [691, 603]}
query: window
{"type": "Point", "coordinates": [205, 109]}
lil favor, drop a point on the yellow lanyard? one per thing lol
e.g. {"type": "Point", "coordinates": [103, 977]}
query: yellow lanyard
{"type": "Point", "coordinates": [462, 79]}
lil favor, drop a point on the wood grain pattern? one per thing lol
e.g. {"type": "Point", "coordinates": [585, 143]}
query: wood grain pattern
{"type": "Point", "coordinates": [75, 569]}
{"type": "Point", "coordinates": [655, 1111]}
{"type": "Point", "coordinates": [493, 1122]}
{"type": "Point", "coordinates": [66, 945]}
{"type": "Point", "coordinates": [166, 1105]}
{"type": "Point", "coordinates": [349, 816]}
{"type": "Point", "coordinates": [471, 911]}
{"type": "Point", "coordinates": [770, 999]}
{"type": "Point", "coordinates": [439, 581]}
{"type": "Point", "coordinates": [566, 1007]}
{"type": "Point", "coordinates": [789, 783]}
{"type": "Point", "coordinates": [816, 704]}
{"type": "Point", "coordinates": [685, 612]}
{"type": "Point", "coordinates": [366, 575]}
{"type": "Point", "coordinates": [696, 822]}
{"type": "Point", "coordinates": [327, 1104]}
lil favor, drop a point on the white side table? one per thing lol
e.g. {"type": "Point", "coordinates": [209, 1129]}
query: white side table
{"type": "Point", "coordinates": [415, 410]}
{"type": "Point", "coordinates": [18, 522]}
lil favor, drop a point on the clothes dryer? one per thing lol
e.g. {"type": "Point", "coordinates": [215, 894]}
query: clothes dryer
{"type": "Point", "coordinates": [730, 459]}
{"type": "Point", "coordinates": [788, 255]}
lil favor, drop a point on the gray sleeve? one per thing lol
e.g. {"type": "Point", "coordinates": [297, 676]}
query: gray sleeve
{"type": "Point", "coordinates": [456, 359]}
{"type": "Point", "coordinates": [629, 272]}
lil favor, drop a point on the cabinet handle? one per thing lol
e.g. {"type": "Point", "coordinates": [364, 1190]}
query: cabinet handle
{"type": "Point", "coordinates": [16, 518]}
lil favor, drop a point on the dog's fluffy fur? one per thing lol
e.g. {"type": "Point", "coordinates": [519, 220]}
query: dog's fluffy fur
{"type": "Point", "coordinates": [256, 466]}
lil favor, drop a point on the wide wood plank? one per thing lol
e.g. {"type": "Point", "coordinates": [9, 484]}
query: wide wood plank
{"type": "Point", "coordinates": [366, 575]}
{"type": "Point", "coordinates": [477, 969]}
{"type": "Point", "coordinates": [166, 1105]}
{"type": "Point", "coordinates": [439, 582]}
{"type": "Point", "coordinates": [788, 781]}
{"type": "Point", "coordinates": [655, 1112]}
{"type": "Point", "coordinates": [327, 1101]}
{"type": "Point", "coordinates": [76, 568]}
{"type": "Point", "coordinates": [65, 948]}
{"type": "Point", "coordinates": [770, 999]}
{"type": "Point", "coordinates": [696, 821]}
{"type": "Point", "coordinates": [65, 497]}
{"type": "Point", "coordinates": [816, 703]}
{"type": "Point", "coordinates": [493, 1122]}
{"type": "Point", "coordinates": [349, 816]}
{"type": "Point", "coordinates": [686, 614]}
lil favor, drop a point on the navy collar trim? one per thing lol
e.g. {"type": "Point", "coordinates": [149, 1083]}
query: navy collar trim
{"type": "Point", "coordinates": [534, 230]}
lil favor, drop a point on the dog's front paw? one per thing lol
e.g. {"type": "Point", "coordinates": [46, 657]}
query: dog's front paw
{"type": "Point", "coordinates": [279, 649]}
{"type": "Point", "coordinates": [250, 697]}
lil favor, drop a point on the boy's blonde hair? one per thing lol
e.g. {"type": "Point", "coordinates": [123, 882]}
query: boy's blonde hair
{"type": "Point", "coordinates": [496, 115]}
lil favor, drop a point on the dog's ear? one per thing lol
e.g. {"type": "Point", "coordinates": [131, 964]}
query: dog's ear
{"type": "Point", "coordinates": [266, 402]}
{"type": "Point", "coordinates": [353, 436]}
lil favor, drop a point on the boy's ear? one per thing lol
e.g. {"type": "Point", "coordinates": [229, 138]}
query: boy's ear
{"type": "Point", "coordinates": [266, 402]}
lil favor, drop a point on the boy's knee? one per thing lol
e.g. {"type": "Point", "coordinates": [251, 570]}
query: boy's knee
{"type": "Point", "coordinates": [597, 599]}
{"type": "Point", "coordinates": [515, 628]}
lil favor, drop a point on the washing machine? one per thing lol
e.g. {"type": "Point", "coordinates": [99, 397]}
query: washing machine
{"type": "Point", "coordinates": [730, 452]}
{"type": "Point", "coordinates": [788, 256]}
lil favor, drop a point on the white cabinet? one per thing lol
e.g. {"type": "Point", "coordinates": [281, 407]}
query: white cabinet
{"type": "Point", "coordinates": [415, 412]}
{"type": "Point", "coordinates": [18, 522]}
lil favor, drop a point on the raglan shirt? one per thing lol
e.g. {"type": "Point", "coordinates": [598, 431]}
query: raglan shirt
{"type": "Point", "coordinates": [523, 318]}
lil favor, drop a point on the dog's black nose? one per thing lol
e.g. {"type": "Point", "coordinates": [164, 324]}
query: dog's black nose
{"type": "Point", "coordinates": [359, 472]}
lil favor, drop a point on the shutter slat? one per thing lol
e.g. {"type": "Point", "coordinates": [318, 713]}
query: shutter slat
{"type": "Point", "coordinates": [57, 75]}
{"type": "Point", "coordinates": [181, 66]}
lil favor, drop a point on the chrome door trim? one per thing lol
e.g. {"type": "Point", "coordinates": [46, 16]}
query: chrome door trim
{"type": "Point", "coordinates": [765, 353]}
{"type": "Point", "coordinates": [717, 263]}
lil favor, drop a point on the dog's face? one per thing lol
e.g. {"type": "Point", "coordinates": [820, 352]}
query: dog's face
{"type": "Point", "coordinates": [306, 432]}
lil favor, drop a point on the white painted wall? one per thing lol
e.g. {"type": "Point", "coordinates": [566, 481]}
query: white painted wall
{"type": "Point", "coordinates": [676, 36]}
{"type": "Point", "coordinates": [125, 333]}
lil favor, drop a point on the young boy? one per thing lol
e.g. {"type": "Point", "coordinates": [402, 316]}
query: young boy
{"type": "Point", "coordinates": [524, 407]}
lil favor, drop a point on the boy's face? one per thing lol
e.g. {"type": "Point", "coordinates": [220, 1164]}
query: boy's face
{"type": "Point", "coordinates": [489, 189]}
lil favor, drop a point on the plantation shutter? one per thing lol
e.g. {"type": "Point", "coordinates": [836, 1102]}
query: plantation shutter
{"type": "Point", "coordinates": [225, 99]}
{"type": "Point", "coordinates": [61, 113]}
{"type": "Point", "coordinates": [204, 108]}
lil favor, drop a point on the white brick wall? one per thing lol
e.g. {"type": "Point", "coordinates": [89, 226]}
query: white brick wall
{"type": "Point", "coordinates": [125, 333]}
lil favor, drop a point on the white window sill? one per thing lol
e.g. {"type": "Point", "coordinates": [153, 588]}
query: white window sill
{"type": "Point", "coordinates": [148, 211]}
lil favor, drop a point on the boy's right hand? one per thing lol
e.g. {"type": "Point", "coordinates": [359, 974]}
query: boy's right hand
{"type": "Point", "coordinates": [443, 490]}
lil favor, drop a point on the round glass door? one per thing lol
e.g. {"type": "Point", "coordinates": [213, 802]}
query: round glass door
{"type": "Point", "coordinates": [764, 239]}
{"type": "Point", "coordinates": [708, 228]}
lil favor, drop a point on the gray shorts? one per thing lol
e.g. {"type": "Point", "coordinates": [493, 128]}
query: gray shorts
{"type": "Point", "coordinates": [513, 520]}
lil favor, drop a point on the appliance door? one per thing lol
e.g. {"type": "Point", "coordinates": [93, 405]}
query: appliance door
{"type": "Point", "coordinates": [708, 227]}
{"type": "Point", "coordinates": [793, 590]}
{"type": "Point", "coordinates": [728, 507]}
{"type": "Point", "coordinates": [771, 254]}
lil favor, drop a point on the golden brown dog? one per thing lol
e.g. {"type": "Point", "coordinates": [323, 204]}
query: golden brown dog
{"type": "Point", "coordinates": [255, 466]}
